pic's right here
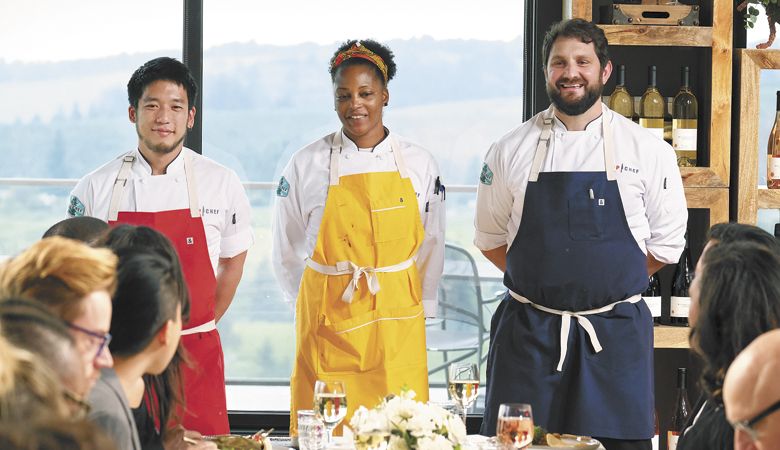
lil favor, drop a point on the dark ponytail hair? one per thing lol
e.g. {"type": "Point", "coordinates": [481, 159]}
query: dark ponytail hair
{"type": "Point", "coordinates": [163, 392]}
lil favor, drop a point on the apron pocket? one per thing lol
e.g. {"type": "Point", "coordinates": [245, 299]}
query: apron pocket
{"type": "Point", "coordinates": [377, 339]}
{"type": "Point", "coordinates": [586, 217]}
{"type": "Point", "coordinates": [391, 219]}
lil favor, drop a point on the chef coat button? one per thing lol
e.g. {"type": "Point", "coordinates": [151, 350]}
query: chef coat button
{"type": "Point", "coordinates": [346, 156]}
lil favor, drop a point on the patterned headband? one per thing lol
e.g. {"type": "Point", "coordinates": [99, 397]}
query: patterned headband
{"type": "Point", "coordinates": [359, 51]}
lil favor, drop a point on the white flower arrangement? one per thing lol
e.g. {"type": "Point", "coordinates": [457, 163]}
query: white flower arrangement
{"type": "Point", "coordinates": [402, 423]}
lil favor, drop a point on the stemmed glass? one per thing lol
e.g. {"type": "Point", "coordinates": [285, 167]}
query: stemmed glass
{"type": "Point", "coordinates": [463, 384]}
{"type": "Point", "coordinates": [515, 426]}
{"type": "Point", "coordinates": [330, 404]}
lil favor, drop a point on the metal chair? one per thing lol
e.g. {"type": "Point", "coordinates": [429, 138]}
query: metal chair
{"type": "Point", "coordinates": [461, 326]}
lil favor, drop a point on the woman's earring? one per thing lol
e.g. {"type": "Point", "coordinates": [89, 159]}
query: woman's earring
{"type": "Point", "coordinates": [385, 103]}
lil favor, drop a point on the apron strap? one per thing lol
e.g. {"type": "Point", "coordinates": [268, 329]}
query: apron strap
{"type": "Point", "coordinates": [399, 157]}
{"type": "Point", "coordinates": [124, 175]}
{"type": "Point", "coordinates": [119, 187]}
{"type": "Point", "coordinates": [337, 141]}
{"type": "Point", "coordinates": [582, 320]}
{"type": "Point", "coordinates": [348, 267]}
{"type": "Point", "coordinates": [544, 144]}
{"type": "Point", "coordinates": [192, 184]}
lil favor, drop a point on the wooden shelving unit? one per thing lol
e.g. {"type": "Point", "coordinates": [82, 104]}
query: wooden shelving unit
{"type": "Point", "coordinates": [705, 187]}
{"type": "Point", "coordinates": [752, 197]}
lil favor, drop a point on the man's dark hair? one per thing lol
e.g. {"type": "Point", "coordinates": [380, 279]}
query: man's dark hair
{"type": "Point", "coordinates": [580, 29]}
{"type": "Point", "coordinates": [83, 228]}
{"type": "Point", "coordinates": [163, 68]}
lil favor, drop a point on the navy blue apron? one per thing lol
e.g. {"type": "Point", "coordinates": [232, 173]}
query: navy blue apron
{"type": "Point", "coordinates": [571, 337]}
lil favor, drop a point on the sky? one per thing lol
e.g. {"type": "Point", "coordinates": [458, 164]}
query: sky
{"type": "Point", "coordinates": [56, 30]}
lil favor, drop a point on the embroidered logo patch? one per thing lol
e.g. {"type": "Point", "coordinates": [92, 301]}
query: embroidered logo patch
{"type": "Point", "coordinates": [486, 177]}
{"type": "Point", "coordinates": [190, 240]}
{"type": "Point", "coordinates": [283, 190]}
{"type": "Point", "coordinates": [75, 207]}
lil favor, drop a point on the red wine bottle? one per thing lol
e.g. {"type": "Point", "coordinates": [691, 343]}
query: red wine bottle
{"type": "Point", "coordinates": [681, 284]}
{"type": "Point", "coordinates": [652, 297]}
{"type": "Point", "coordinates": [681, 410]}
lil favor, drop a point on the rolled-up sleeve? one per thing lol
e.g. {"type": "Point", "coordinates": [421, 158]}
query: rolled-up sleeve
{"type": "Point", "coordinates": [430, 256]}
{"type": "Point", "coordinates": [494, 203]}
{"type": "Point", "coordinates": [666, 209]}
{"type": "Point", "coordinates": [288, 231]}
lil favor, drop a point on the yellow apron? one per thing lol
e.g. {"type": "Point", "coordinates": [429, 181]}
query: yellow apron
{"type": "Point", "coordinates": [359, 315]}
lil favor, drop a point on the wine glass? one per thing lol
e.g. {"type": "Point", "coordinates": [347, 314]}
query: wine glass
{"type": "Point", "coordinates": [515, 426]}
{"type": "Point", "coordinates": [330, 404]}
{"type": "Point", "coordinates": [463, 384]}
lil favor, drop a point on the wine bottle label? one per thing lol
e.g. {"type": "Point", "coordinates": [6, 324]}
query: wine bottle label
{"type": "Point", "coordinates": [671, 438]}
{"type": "Point", "coordinates": [684, 139]}
{"type": "Point", "coordinates": [654, 304]}
{"type": "Point", "coordinates": [773, 168]}
{"type": "Point", "coordinates": [680, 306]}
{"type": "Point", "coordinates": [655, 442]}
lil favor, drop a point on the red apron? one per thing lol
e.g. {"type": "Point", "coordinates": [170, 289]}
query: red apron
{"type": "Point", "coordinates": [204, 382]}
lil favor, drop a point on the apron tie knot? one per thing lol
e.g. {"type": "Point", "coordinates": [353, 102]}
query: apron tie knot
{"type": "Point", "coordinates": [354, 283]}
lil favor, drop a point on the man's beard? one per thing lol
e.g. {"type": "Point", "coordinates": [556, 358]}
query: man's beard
{"type": "Point", "coordinates": [161, 149]}
{"type": "Point", "coordinates": [578, 106]}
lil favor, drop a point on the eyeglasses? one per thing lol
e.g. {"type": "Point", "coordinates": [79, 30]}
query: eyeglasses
{"type": "Point", "coordinates": [78, 401]}
{"type": "Point", "coordinates": [748, 424]}
{"type": "Point", "coordinates": [105, 339]}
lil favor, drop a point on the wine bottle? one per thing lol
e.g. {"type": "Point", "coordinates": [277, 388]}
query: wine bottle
{"type": "Point", "coordinates": [773, 152]}
{"type": "Point", "coordinates": [621, 101]}
{"type": "Point", "coordinates": [681, 410]}
{"type": "Point", "coordinates": [685, 110]}
{"type": "Point", "coordinates": [681, 283]}
{"type": "Point", "coordinates": [652, 107]}
{"type": "Point", "coordinates": [652, 297]}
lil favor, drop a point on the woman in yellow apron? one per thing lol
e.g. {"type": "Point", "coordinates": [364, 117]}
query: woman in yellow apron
{"type": "Point", "coordinates": [359, 244]}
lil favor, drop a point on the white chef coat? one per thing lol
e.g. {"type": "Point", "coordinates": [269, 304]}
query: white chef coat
{"type": "Point", "coordinates": [297, 216]}
{"type": "Point", "coordinates": [224, 205]}
{"type": "Point", "coordinates": [647, 175]}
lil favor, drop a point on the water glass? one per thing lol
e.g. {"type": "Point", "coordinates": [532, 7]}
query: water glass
{"type": "Point", "coordinates": [311, 431]}
{"type": "Point", "coordinates": [515, 426]}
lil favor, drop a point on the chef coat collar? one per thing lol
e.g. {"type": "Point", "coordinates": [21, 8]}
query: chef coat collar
{"type": "Point", "coordinates": [593, 127]}
{"type": "Point", "coordinates": [141, 165]}
{"type": "Point", "coordinates": [349, 146]}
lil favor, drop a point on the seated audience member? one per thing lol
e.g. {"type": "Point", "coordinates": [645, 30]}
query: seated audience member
{"type": "Point", "coordinates": [751, 393]}
{"type": "Point", "coordinates": [146, 329]}
{"type": "Point", "coordinates": [53, 434]}
{"type": "Point", "coordinates": [27, 387]}
{"type": "Point", "coordinates": [163, 399]}
{"type": "Point", "coordinates": [739, 232]}
{"type": "Point", "coordinates": [735, 297]}
{"type": "Point", "coordinates": [75, 282]}
{"type": "Point", "coordinates": [84, 228]}
{"type": "Point", "coordinates": [28, 325]}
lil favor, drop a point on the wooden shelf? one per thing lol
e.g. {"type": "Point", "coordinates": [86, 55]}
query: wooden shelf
{"type": "Point", "coordinates": [716, 200]}
{"type": "Point", "coordinates": [697, 177]}
{"type": "Point", "coordinates": [671, 337]}
{"type": "Point", "coordinates": [658, 35]}
{"type": "Point", "coordinates": [768, 198]}
{"type": "Point", "coordinates": [750, 196]}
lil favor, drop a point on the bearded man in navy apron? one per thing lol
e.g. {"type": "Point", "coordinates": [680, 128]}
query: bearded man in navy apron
{"type": "Point", "coordinates": [577, 206]}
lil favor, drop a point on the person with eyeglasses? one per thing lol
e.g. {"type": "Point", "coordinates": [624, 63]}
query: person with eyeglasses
{"type": "Point", "coordinates": [29, 326]}
{"type": "Point", "coordinates": [75, 282]}
{"type": "Point", "coordinates": [751, 393]}
{"type": "Point", "coordinates": [735, 297]}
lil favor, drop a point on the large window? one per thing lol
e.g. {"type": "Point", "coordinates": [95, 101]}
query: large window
{"type": "Point", "coordinates": [63, 71]}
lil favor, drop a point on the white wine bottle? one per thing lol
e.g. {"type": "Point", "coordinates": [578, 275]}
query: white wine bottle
{"type": "Point", "coordinates": [652, 106]}
{"type": "Point", "coordinates": [621, 101]}
{"type": "Point", "coordinates": [685, 111]}
{"type": "Point", "coordinates": [773, 152]}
